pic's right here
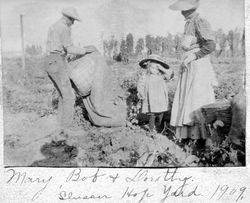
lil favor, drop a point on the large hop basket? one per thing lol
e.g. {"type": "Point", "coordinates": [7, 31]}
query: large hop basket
{"type": "Point", "coordinates": [81, 72]}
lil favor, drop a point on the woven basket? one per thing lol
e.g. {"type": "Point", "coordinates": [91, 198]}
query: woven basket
{"type": "Point", "coordinates": [82, 74]}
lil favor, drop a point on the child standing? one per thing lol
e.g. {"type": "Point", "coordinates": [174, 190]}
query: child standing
{"type": "Point", "coordinates": [152, 89]}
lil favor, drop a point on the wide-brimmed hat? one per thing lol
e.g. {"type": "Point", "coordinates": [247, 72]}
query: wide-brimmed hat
{"type": "Point", "coordinates": [155, 58]}
{"type": "Point", "coordinates": [183, 5]}
{"type": "Point", "coordinates": [71, 12]}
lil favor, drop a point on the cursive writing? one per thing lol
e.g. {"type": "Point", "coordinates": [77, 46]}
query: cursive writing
{"type": "Point", "coordinates": [76, 175]}
{"type": "Point", "coordinates": [227, 191]}
{"type": "Point", "coordinates": [181, 191]}
{"type": "Point", "coordinates": [64, 195]}
{"type": "Point", "coordinates": [143, 176]}
{"type": "Point", "coordinates": [140, 186]}
{"type": "Point", "coordinates": [131, 193]}
{"type": "Point", "coordinates": [23, 178]}
{"type": "Point", "coordinates": [169, 176]}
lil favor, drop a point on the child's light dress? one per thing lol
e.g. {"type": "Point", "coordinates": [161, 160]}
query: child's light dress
{"type": "Point", "coordinates": [154, 91]}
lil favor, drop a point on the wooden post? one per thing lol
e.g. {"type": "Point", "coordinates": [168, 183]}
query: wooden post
{"type": "Point", "coordinates": [101, 46]}
{"type": "Point", "coordinates": [22, 40]}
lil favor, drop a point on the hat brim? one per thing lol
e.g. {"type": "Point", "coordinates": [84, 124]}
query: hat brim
{"type": "Point", "coordinates": [78, 19]}
{"type": "Point", "coordinates": [73, 17]}
{"type": "Point", "coordinates": [183, 6]}
{"type": "Point", "coordinates": [142, 63]}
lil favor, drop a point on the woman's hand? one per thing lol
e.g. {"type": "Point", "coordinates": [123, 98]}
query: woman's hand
{"type": "Point", "coordinates": [188, 59]}
{"type": "Point", "coordinates": [169, 74]}
{"type": "Point", "coordinates": [182, 68]}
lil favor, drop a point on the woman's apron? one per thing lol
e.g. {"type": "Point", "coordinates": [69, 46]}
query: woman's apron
{"type": "Point", "coordinates": [194, 89]}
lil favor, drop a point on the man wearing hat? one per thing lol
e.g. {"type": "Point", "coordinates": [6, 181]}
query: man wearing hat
{"type": "Point", "coordinates": [59, 44]}
{"type": "Point", "coordinates": [195, 84]}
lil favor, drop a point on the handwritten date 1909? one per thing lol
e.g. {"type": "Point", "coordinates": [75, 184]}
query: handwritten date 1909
{"type": "Point", "coordinates": [224, 190]}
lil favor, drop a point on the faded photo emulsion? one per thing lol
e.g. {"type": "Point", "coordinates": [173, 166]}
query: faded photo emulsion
{"type": "Point", "coordinates": [114, 83]}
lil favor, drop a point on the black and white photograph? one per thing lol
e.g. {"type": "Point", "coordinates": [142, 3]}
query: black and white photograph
{"type": "Point", "coordinates": [123, 83]}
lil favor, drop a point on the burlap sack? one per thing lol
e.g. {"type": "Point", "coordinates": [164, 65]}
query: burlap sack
{"type": "Point", "coordinates": [93, 77]}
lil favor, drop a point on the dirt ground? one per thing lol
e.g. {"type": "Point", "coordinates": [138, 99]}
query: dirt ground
{"type": "Point", "coordinates": [111, 147]}
{"type": "Point", "coordinates": [30, 125]}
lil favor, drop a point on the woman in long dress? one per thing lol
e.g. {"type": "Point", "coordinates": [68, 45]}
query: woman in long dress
{"type": "Point", "coordinates": [196, 79]}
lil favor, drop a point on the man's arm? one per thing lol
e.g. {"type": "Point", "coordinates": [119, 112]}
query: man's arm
{"type": "Point", "coordinates": [70, 48]}
{"type": "Point", "coordinates": [65, 37]}
{"type": "Point", "coordinates": [75, 50]}
{"type": "Point", "coordinates": [80, 50]}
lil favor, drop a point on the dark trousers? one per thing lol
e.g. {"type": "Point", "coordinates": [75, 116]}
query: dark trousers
{"type": "Point", "coordinates": [56, 69]}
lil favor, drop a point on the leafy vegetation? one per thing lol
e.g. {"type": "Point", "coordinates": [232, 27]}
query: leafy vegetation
{"type": "Point", "coordinates": [231, 44]}
{"type": "Point", "coordinates": [30, 91]}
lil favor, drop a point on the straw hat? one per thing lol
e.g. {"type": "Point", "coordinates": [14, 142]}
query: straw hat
{"type": "Point", "coordinates": [155, 58]}
{"type": "Point", "coordinates": [71, 12]}
{"type": "Point", "coordinates": [183, 5]}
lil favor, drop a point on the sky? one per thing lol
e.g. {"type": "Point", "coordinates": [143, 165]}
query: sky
{"type": "Point", "coordinates": [103, 18]}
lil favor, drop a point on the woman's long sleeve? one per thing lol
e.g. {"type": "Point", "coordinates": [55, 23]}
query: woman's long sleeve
{"type": "Point", "coordinates": [205, 36]}
{"type": "Point", "coordinates": [207, 47]}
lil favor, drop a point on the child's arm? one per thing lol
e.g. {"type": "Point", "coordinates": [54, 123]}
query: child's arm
{"type": "Point", "coordinates": [168, 74]}
{"type": "Point", "coordinates": [164, 70]}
